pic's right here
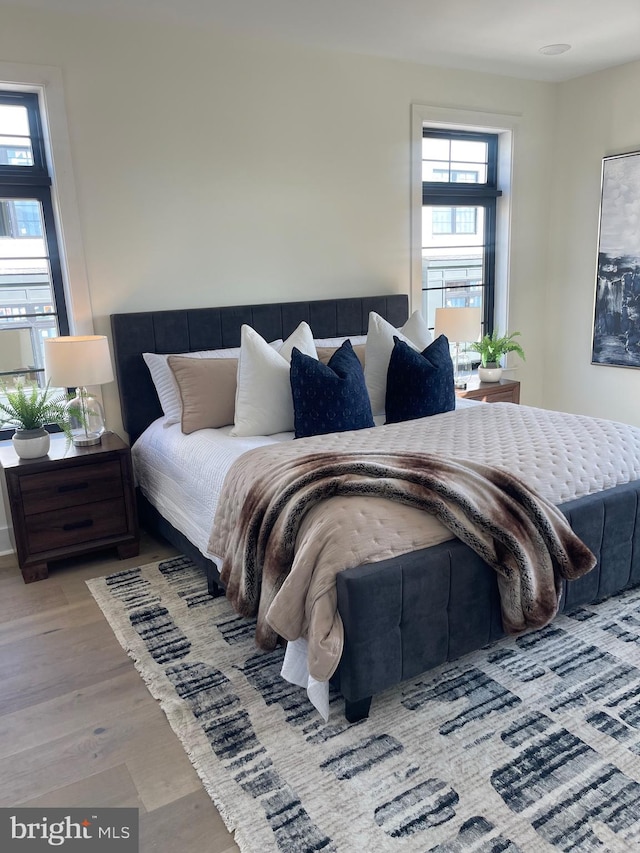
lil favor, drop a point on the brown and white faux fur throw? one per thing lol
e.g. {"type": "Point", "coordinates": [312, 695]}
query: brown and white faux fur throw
{"type": "Point", "coordinates": [266, 498]}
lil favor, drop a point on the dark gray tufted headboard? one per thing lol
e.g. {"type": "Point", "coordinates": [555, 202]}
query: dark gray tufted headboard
{"type": "Point", "coordinates": [193, 329]}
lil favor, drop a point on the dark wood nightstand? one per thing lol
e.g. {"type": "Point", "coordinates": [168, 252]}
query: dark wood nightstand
{"type": "Point", "coordinates": [503, 391]}
{"type": "Point", "coordinates": [72, 501]}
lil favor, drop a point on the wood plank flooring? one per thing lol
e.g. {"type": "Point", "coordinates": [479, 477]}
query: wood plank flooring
{"type": "Point", "coordinates": [78, 727]}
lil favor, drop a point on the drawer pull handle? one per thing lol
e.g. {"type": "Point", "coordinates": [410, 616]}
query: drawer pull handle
{"type": "Point", "coordinates": [76, 525]}
{"type": "Point", "coordinates": [73, 487]}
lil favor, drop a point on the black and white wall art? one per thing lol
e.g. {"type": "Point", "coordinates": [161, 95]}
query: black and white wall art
{"type": "Point", "coordinates": [616, 328]}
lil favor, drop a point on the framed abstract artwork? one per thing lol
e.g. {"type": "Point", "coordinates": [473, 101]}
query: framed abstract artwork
{"type": "Point", "coordinates": [616, 326]}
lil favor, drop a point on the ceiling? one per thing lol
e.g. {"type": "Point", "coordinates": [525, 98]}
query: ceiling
{"type": "Point", "coordinates": [498, 36]}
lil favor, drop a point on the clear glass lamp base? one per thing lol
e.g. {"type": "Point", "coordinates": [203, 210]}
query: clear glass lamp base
{"type": "Point", "coordinates": [82, 440]}
{"type": "Point", "coordinates": [89, 428]}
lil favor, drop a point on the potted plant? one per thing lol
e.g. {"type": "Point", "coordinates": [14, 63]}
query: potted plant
{"type": "Point", "coordinates": [29, 409]}
{"type": "Point", "coordinates": [491, 349]}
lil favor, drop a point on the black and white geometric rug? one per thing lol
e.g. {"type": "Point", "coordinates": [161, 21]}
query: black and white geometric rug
{"type": "Point", "coordinates": [530, 745]}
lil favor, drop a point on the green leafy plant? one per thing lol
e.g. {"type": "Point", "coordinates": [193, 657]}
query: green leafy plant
{"type": "Point", "coordinates": [29, 407]}
{"type": "Point", "coordinates": [492, 347]}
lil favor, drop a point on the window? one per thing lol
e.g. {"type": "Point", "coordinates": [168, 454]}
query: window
{"type": "Point", "coordinates": [20, 219]}
{"type": "Point", "coordinates": [454, 220]}
{"type": "Point", "coordinates": [457, 176]}
{"type": "Point", "coordinates": [32, 301]}
{"type": "Point", "coordinates": [459, 192]}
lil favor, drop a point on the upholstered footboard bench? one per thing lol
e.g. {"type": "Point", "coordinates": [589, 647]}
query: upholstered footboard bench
{"type": "Point", "coordinates": [407, 615]}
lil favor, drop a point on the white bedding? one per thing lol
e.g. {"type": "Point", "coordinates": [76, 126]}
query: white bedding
{"type": "Point", "coordinates": [182, 475]}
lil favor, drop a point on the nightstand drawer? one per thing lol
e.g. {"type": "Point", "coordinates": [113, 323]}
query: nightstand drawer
{"type": "Point", "coordinates": [81, 484]}
{"type": "Point", "coordinates": [498, 396]}
{"type": "Point", "coordinates": [48, 531]}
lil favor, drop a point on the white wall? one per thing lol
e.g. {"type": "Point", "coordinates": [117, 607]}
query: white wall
{"type": "Point", "coordinates": [597, 116]}
{"type": "Point", "coordinates": [214, 170]}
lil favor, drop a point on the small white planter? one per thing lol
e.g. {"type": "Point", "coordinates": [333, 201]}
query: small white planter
{"type": "Point", "coordinates": [31, 443]}
{"type": "Point", "coordinates": [489, 374]}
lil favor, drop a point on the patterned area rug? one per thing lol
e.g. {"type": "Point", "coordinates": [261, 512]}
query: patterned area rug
{"type": "Point", "coordinates": [529, 745]}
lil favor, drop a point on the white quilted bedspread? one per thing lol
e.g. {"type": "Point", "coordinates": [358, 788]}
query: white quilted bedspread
{"type": "Point", "coordinates": [561, 456]}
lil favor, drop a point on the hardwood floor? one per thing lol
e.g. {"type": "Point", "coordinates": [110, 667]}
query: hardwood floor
{"type": "Point", "coordinates": [77, 724]}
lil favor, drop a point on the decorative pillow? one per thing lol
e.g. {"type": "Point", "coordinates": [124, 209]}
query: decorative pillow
{"type": "Point", "coordinates": [207, 388]}
{"type": "Point", "coordinates": [164, 380]}
{"type": "Point", "coordinates": [329, 397]}
{"type": "Point", "coordinates": [417, 331]}
{"type": "Point", "coordinates": [419, 384]}
{"type": "Point", "coordinates": [325, 352]}
{"type": "Point", "coordinates": [165, 383]}
{"type": "Point", "coordinates": [378, 352]}
{"type": "Point", "coordinates": [263, 397]}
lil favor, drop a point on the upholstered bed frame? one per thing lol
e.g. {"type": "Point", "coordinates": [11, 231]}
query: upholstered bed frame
{"type": "Point", "coordinates": [401, 616]}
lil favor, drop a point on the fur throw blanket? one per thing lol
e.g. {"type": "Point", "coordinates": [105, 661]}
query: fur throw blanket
{"type": "Point", "coordinates": [265, 499]}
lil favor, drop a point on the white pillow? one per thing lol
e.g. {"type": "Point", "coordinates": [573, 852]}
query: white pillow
{"type": "Point", "coordinates": [264, 404]}
{"type": "Point", "coordinates": [378, 352]}
{"type": "Point", "coordinates": [165, 382]}
{"type": "Point", "coordinates": [417, 331]}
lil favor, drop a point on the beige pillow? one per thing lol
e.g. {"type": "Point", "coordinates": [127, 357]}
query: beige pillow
{"type": "Point", "coordinates": [325, 353]}
{"type": "Point", "coordinates": [207, 389]}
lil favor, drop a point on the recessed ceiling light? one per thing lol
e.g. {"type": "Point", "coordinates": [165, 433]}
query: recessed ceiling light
{"type": "Point", "coordinates": [554, 49]}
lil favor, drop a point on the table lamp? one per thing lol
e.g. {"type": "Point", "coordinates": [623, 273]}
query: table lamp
{"type": "Point", "coordinates": [75, 362]}
{"type": "Point", "coordinates": [459, 325]}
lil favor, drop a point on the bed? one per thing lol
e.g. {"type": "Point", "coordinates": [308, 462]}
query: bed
{"type": "Point", "coordinates": [404, 615]}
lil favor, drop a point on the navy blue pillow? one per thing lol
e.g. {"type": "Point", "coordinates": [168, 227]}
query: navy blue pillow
{"type": "Point", "coordinates": [329, 397]}
{"type": "Point", "coordinates": [419, 384]}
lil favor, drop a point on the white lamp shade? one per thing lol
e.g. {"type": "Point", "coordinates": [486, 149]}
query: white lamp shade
{"type": "Point", "coordinates": [73, 362]}
{"type": "Point", "coordinates": [458, 324]}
